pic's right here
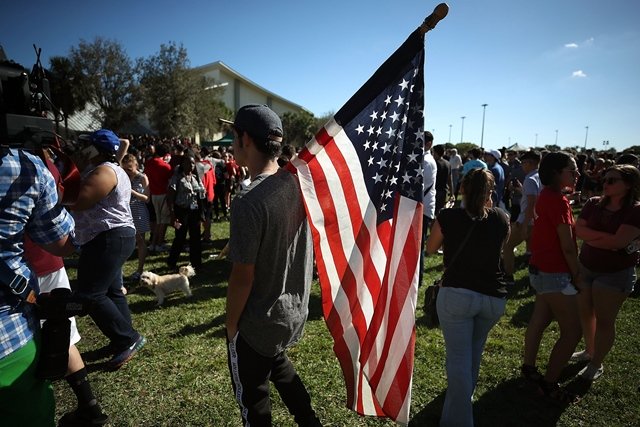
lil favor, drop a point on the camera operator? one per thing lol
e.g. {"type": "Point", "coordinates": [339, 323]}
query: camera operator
{"type": "Point", "coordinates": [28, 204]}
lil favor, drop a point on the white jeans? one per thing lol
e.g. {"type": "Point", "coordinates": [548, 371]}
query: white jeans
{"type": "Point", "coordinates": [466, 317]}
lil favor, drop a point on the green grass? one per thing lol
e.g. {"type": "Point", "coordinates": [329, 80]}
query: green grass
{"type": "Point", "coordinates": [180, 378]}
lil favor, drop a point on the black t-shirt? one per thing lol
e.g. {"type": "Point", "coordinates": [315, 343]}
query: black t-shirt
{"type": "Point", "coordinates": [477, 266]}
{"type": "Point", "coordinates": [443, 171]}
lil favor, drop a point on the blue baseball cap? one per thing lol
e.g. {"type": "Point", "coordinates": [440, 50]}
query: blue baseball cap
{"type": "Point", "coordinates": [105, 140]}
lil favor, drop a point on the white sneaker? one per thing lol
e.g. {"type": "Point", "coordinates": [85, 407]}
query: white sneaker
{"type": "Point", "coordinates": [591, 373]}
{"type": "Point", "coordinates": [581, 356]}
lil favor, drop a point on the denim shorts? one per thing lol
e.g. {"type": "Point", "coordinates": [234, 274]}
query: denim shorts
{"type": "Point", "coordinates": [547, 283]}
{"type": "Point", "coordinates": [621, 281]}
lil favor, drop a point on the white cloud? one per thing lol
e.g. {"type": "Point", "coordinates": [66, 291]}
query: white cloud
{"type": "Point", "coordinates": [571, 45]}
{"type": "Point", "coordinates": [578, 73]}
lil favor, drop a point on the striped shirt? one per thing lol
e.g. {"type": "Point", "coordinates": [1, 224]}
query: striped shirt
{"type": "Point", "coordinates": [28, 204]}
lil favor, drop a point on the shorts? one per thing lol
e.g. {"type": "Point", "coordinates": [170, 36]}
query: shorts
{"type": "Point", "coordinates": [26, 400]}
{"type": "Point", "coordinates": [548, 283]}
{"type": "Point", "coordinates": [161, 208]}
{"type": "Point", "coordinates": [621, 281]}
{"type": "Point", "coordinates": [59, 279]}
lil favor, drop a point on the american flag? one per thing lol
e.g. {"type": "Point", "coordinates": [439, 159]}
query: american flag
{"type": "Point", "coordinates": [361, 178]}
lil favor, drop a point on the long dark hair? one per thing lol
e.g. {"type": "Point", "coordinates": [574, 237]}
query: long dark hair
{"type": "Point", "coordinates": [477, 186]}
{"type": "Point", "coordinates": [630, 176]}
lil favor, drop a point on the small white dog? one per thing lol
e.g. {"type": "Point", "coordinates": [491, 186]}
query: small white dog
{"type": "Point", "coordinates": [164, 285]}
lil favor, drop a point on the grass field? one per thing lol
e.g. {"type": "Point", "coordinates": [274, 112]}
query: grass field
{"type": "Point", "coordinates": [180, 378]}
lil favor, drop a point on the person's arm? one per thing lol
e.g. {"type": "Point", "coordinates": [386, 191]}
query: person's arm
{"type": "Point", "coordinates": [569, 249]}
{"type": "Point", "coordinates": [94, 188]}
{"type": "Point", "coordinates": [588, 234]}
{"type": "Point", "coordinates": [61, 248]}
{"type": "Point", "coordinates": [435, 239]}
{"type": "Point", "coordinates": [144, 196]}
{"type": "Point", "coordinates": [238, 290]}
{"type": "Point", "coordinates": [625, 234]}
{"type": "Point", "coordinates": [122, 150]}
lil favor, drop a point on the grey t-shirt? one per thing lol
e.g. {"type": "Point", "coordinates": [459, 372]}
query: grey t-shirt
{"type": "Point", "coordinates": [269, 229]}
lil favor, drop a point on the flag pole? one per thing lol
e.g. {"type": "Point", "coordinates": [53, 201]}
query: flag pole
{"type": "Point", "coordinates": [436, 16]}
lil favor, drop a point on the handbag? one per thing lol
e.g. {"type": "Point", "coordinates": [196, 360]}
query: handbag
{"type": "Point", "coordinates": [431, 319]}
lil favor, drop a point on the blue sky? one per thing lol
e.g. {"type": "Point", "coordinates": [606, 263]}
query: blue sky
{"type": "Point", "coordinates": [539, 65]}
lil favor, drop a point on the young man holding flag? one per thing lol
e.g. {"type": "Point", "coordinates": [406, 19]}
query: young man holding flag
{"type": "Point", "coordinates": [268, 293]}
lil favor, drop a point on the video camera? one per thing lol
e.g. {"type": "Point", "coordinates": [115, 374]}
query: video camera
{"type": "Point", "coordinates": [25, 103]}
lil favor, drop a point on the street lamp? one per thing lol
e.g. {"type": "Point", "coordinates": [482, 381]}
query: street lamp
{"type": "Point", "coordinates": [450, 133]}
{"type": "Point", "coordinates": [585, 136]}
{"type": "Point", "coordinates": [535, 144]}
{"type": "Point", "coordinates": [484, 108]}
{"type": "Point", "coordinates": [556, 136]}
{"type": "Point", "coordinates": [462, 131]}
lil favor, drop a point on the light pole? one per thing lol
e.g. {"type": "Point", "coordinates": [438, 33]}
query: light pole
{"type": "Point", "coordinates": [450, 133]}
{"type": "Point", "coordinates": [585, 136]}
{"type": "Point", "coordinates": [484, 108]}
{"type": "Point", "coordinates": [535, 144]}
{"type": "Point", "coordinates": [462, 131]}
{"type": "Point", "coordinates": [556, 136]}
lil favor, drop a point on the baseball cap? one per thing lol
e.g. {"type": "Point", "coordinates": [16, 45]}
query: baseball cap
{"type": "Point", "coordinates": [494, 153]}
{"type": "Point", "coordinates": [259, 121]}
{"type": "Point", "coordinates": [105, 140]}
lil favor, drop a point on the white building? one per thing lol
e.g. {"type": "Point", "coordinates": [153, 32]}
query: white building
{"type": "Point", "coordinates": [239, 90]}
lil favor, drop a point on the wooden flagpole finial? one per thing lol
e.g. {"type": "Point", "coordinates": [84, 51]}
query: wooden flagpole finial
{"type": "Point", "coordinates": [436, 16]}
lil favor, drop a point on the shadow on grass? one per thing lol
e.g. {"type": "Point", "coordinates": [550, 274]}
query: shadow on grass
{"type": "Point", "coordinates": [199, 293]}
{"type": "Point", "coordinates": [202, 328]}
{"type": "Point", "coordinates": [516, 403]}
{"type": "Point", "coordinates": [520, 318]}
{"type": "Point", "coordinates": [429, 416]}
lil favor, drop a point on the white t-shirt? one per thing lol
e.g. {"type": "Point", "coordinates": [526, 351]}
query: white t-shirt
{"type": "Point", "coordinates": [429, 170]}
{"type": "Point", "coordinates": [455, 162]}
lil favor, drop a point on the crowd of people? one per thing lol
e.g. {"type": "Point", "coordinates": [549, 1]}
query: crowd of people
{"type": "Point", "coordinates": [478, 207]}
{"type": "Point", "coordinates": [511, 198]}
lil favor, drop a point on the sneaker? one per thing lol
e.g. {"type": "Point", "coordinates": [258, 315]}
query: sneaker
{"type": "Point", "coordinates": [581, 356]}
{"type": "Point", "coordinates": [134, 277]}
{"type": "Point", "coordinates": [121, 358]}
{"type": "Point", "coordinates": [591, 373]}
{"type": "Point", "coordinates": [82, 418]}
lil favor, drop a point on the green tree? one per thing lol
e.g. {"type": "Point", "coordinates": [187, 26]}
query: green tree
{"type": "Point", "coordinates": [298, 127]}
{"type": "Point", "coordinates": [66, 82]}
{"type": "Point", "coordinates": [107, 80]}
{"type": "Point", "coordinates": [179, 100]}
{"type": "Point", "coordinates": [463, 147]}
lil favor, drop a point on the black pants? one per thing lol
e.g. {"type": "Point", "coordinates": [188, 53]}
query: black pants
{"type": "Point", "coordinates": [250, 376]}
{"type": "Point", "coordinates": [219, 199]}
{"type": "Point", "coordinates": [190, 220]}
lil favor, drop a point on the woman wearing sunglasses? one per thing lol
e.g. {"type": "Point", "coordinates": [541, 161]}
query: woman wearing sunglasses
{"type": "Point", "coordinates": [610, 227]}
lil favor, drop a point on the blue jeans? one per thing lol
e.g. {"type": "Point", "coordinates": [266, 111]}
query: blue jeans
{"type": "Point", "coordinates": [466, 317]}
{"type": "Point", "coordinates": [100, 278]}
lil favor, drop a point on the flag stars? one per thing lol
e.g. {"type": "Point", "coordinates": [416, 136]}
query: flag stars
{"type": "Point", "coordinates": [374, 115]}
{"type": "Point", "coordinates": [382, 163]}
{"type": "Point", "coordinates": [383, 207]}
{"type": "Point", "coordinates": [394, 116]}
{"type": "Point", "coordinates": [406, 178]}
{"type": "Point", "coordinates": [394, 179]}
{"type": "Point", "coordinates": [371, 130]}
{"type": "Point", "coordinates": [387, 101]}
{"type": "Point", "coordinates": [375, 146]}
{"type": "Point", "coordinates": [386, 147]}
{"type": "Point", "coordinates": [367, 145]}
{"type": "Point", "coordinates": [391, 132]}
{"type": "Point", "coordinates": [379, 131]}
{"type": "Point", "coordinates": [370, 161]}
{"type": "Point", "coordinates": [404, 84]}
{"type": "Point", "coordinates": [383, 116]}
{"type": "Point", "coordinates": [377, 177]}
{"type": "Point", "coordinates": [399, 100]}
{"type": "Point", "coordinates": [413, 157]}
{"type": "Point", "coordinates": [388, 194]}
{"type": "Point", "coordinates": [360, 129]}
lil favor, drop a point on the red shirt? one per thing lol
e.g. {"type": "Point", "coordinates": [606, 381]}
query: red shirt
{"type": "Point", "coordinates": [601, 219]}
{"type": "Point", "coordinates": [159, 173]}
{"type": "Point", "coordinates": [552, 209]}
{"type": "Point", "coordinates": [40, 261]}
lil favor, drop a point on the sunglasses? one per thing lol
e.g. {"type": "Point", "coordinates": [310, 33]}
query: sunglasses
{"type": "Point", "coordinates": [611, 180]}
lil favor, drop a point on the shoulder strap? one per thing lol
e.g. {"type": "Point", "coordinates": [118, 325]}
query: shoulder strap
{"type": "Point", "coordinates": [17, 284]}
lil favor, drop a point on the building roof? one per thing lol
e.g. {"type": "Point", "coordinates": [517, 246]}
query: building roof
{"type": "Point", "coordinates": [222, 66]}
